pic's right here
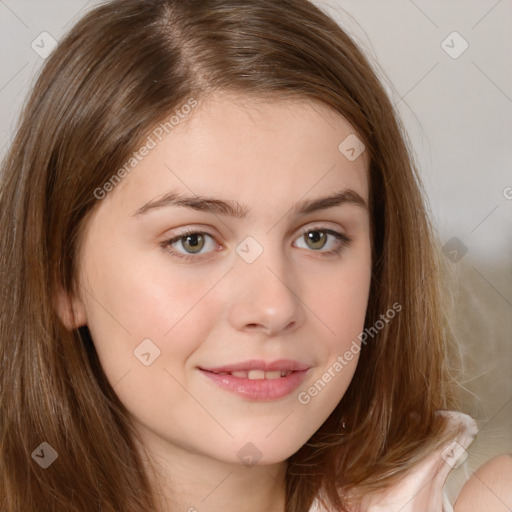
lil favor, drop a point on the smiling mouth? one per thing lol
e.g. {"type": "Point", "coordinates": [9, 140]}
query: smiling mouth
{"type": "Point", "coordinates": [258, 380]}
{"type": "Point", "coordinates": [257, 374]}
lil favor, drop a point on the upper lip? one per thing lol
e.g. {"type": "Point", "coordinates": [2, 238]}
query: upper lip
{"type": "Point", "coordinates": [258, 364]}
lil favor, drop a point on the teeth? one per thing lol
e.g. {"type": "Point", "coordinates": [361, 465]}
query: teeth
{"type": "Point", "coordinates": [256, 374]}
{"type": "Point", "coordinates": [259, 374]}
{"type": "Point", "coordinates": [241, 374]}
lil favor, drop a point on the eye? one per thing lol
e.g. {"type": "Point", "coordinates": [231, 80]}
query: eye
{"type": "Point", "coordinates": [317, 238]}
{"type": "Point", "coordinates": [193, 242]}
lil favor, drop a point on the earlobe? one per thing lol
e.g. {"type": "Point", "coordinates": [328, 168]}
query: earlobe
{"type": "Point", "coordinates": [71, 310]}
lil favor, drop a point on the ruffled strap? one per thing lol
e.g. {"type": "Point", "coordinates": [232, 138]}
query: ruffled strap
{"type": "Point", "coordinates": [421, 489]}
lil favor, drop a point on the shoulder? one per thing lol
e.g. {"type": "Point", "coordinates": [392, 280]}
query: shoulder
{"type": "Point", "coordinates": [489, 488]}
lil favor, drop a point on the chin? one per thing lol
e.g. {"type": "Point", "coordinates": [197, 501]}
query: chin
{"type": "Point", "coordinates": [263, 452]}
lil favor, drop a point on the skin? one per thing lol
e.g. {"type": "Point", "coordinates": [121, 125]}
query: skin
{"type": "Point", "coordinates": [293, 301]}
{"type": "Point", "coordinates": [489, 489]}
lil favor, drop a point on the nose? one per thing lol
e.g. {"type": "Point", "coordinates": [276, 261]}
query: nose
{"type": "Point", "coordinates": [264, 295]}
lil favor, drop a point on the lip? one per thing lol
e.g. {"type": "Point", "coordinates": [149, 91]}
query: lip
{"type": "Point", "coordinates": [259, 389]}
{"type": "Point", "coordinates": [259, 364]}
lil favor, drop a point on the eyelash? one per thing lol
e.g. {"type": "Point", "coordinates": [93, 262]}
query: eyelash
{"type": "Point", "coordinates": [343, 241]}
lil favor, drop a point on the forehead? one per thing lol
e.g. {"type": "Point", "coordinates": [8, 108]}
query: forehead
{"type": "Point", "coordinates": [251, 150]}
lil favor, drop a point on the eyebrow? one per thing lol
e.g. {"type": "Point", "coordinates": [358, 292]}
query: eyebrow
{"type": "Point", "coordinates": [237, 210]}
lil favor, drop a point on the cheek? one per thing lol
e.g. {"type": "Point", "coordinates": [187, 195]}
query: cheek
{"type": "Point", "coordinates": [341, 306]}
{"type": "Point", "coordinates": [145, 326]}
{"type": "Point", "coordinates": [129, 302]}
{"type": "Point", "coordinates": [342, 301]}
{"type": "Point", "coordinates": [343, 312]}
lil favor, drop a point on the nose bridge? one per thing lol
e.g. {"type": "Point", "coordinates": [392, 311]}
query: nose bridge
{"type": "Point", "coordinates": [264, 289]}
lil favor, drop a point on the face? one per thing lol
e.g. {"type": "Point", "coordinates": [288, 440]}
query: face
{"type": "Point", "coordinates": [224, 321]}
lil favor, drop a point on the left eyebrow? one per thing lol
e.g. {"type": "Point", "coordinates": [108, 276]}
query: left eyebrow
{"type": "Point", "coordinates": [237, 210]}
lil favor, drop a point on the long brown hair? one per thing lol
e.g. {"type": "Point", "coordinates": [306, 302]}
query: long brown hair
{"type": "Point", "coordinates": [120, 71]}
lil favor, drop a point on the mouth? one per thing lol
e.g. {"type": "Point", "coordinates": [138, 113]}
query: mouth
{"type": "Point", "coordinates": [258, 380]}
{"type": "Point", "coordinates": [257, 374]}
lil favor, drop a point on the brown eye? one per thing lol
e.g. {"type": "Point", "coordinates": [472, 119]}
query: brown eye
{"type": "Point", "coordinates": [326, 242]}
{"type": "Point", "coordinates": [190, 243]}
{"type": "Point", "coordinates": [193, 243]}
{"type": "Point", "coordinates": [315, 239]}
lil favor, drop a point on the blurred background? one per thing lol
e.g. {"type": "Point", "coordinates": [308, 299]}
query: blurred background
{"type": "Point", "coordinates": [446, 66]}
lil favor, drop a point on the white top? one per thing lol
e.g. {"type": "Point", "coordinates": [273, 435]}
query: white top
{"type": "Point", "coordinates": [424, 487]}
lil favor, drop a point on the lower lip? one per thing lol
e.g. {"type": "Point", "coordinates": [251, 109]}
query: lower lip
{"type": "Point", "coordinates": [258, 389]}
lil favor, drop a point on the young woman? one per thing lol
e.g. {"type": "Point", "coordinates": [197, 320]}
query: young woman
{"type": "Point", "coordinates": [220, 286]}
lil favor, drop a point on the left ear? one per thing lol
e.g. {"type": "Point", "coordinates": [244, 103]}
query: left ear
{"type": "Point", "coordinates": [70, 309]}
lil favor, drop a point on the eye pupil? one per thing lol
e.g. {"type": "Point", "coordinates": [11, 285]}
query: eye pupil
{"type": "Point", "coordinates": [316, 237]}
